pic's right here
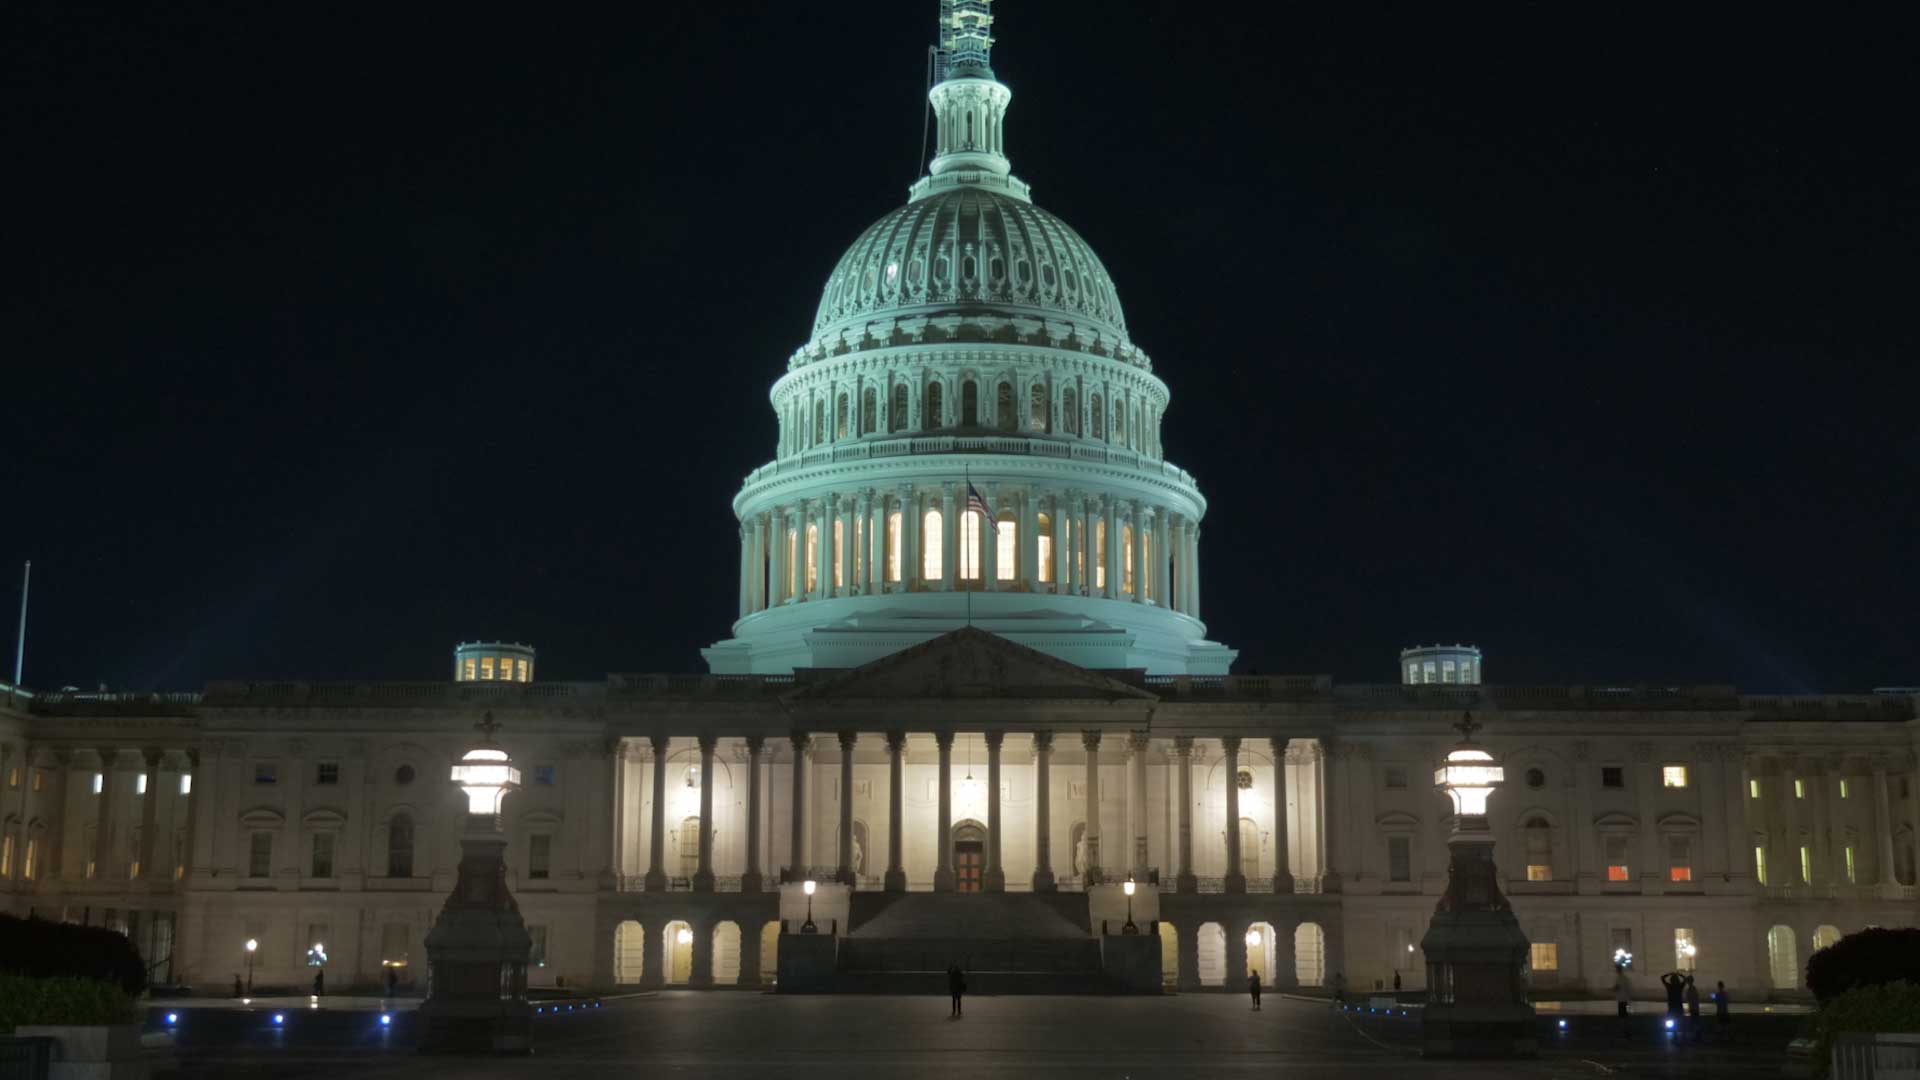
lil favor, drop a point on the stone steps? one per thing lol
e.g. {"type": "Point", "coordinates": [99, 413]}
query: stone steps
{"type": "Point", "coordinates": [962, 916]}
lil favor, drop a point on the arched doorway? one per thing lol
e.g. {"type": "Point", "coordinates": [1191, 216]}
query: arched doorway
{"type": "Point", "coordinates": [1261, 952]}
{"type": "Point", "coordinates": [1169, 954]}
{"type": "Point", "coordinates": [1783, 959]}
{"type": "Point", "coordinates": [769, 952]}
{"type": "Point", "coordinates": [629, 952]}
{"type": "Point", "coordinates": [1824, 936]}
{"type": "Point", "coordinates": [678, 942]}
{"type": "Point", "coordinates": [969, 856]}
{"type": "Point", "coordinates": [1309, 954]}
{"type": "Point", "coordinates": [1213, 954]}
{"type": "Point", "coordinates": [726, 954]}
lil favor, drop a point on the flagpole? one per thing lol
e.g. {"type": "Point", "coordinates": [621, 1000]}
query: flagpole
{"type": "Point", "coordinates": [20, 639]}
{"type": "Point", "coordinates": [967, 474]}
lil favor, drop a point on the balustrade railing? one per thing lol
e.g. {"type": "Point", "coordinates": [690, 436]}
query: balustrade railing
{"type": "Point", "coordinates": [1054, 446]}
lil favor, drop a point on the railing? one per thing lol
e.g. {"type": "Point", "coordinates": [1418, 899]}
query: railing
{"type": "Point", "coordinates": [1875, 1056]}
{"type": "Point", "coordinates": [1883, 708]}
{"type": "Point", "coordinates": [1521, 697]}
{"type": "Point", "coordinates": [1241, 687]}
{"type": "Point", "coordinates": [903, 445]}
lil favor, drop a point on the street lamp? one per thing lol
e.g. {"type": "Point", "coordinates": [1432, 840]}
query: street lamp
{"type": "Point", "coordinates": [253, 946]}
{"type": "Point", "coordinates": [808, 927]}
{"type": "Point", "coordinates": [478, 947]}
{"type": "Point", "coordinates": [1128, 887]}
{"type": "Point", "coordinates": [1476, 954]}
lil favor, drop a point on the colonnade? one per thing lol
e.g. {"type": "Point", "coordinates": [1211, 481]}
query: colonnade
{"type": "Point", "coordinates": [924, 538]}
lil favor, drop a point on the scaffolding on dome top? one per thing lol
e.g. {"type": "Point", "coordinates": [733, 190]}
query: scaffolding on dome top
{"type": "Point", "coordinates": [966, 40]}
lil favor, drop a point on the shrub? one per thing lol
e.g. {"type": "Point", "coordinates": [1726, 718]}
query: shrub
{"type": "Point", "coordinates": [1880, 1007]}
{"type": "Point", "coordinates": [44, 950]}
{"type": "Point", "coordinates": [1868, 958]}
{"type": "Point", "coordinates": [26, 1000]}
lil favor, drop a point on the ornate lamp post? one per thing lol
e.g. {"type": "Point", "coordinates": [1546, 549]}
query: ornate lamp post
{"type": "Point", "coordinates": [808, 927]}
{"type": "Point", "coordinates": [1476, 955]}
{"type": "Point", "coordinates": [253, 946]}
{"type": "Point", "coordinates": [477, 950]}
{"type": "Point", "coordinates": [1128, 927]}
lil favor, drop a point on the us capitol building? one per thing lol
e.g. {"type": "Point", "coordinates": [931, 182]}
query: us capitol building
{"type": "Point", "coordinates": [969, 690]}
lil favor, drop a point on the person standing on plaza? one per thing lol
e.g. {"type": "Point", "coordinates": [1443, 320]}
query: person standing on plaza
{"type": "Point", "coordinates": [320, 982]}
{"type": "Point", "coordinates": [957, 986]}
{"type": "Point", "coordinates": [1339, 988]}
{"type": "Point", "coordinates": [1622, 992]}
{"type": "Point", "coordinates": [1692, 996]}
{"type": "Point", "coordinates": [1720, 1004]}
{"type": "Point", "coordinates": [1253, 988]}
{"type": "Point", "coordinates": [1675, 984]}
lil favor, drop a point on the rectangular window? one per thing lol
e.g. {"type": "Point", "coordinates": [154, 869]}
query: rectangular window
{"type": "Point", "coordinates": [537, 956]}
{"type": "Point", "coordinates": [1623, 947]}
{"type": "Point", "coordinates": [186, 783]}
{"type": "Point", "coordinates": [328, 773]}
{"type": "Point", "coordinates": [1431, 671]}
{"type": "Point", "coordinates": [13, 777]}
{"type": "Point", "coordinates": [471, 670]}
{"type": "Point", "coordinates": [1683, 949]}
{"type": "Point", "coordinates": [838, 554]}
{"type": "Point", "coordinates": [317, 935]}
{"type": "Point", "coordinates": [543, 775]}
{"type": "Point", "coordinates": [1446, 671]}
{"type": "Point", "coordinates": [1806, 865]}
{"type": "Point", "coordinates": [1753, 788]}
{"type": "Point", "coordinates": [1007, 551]}
{"type": "Point", "coordinates": [39, 780]}
{"type": "Point", "coordinates": [260, 855]}
{"type": "Point", "coordinates": [1396, 776]}
{"type": "Point", "coordinates": [29, 865]}
{"type": "Point", "coordinates": [1679, 858]}
{"type": "Point", "coordinates": [1799, 789]}
{"type": "Point", "coordinates": [393, 944]}
{"type": "Point", "coordinates": [539, 856]}
{"type": "Point", "coordinates": [1399, 858]}
{"type": "Point", "coordinates": [486, 668]}
{"type": "Point", "coordinates": [6, 855]}
{"type": "Point", "coordinates": [1403, 949]}
{"type": "Point", "coordinates": [1545, 956]}
{"type": "Point", "coordinates": [1613, 776]}
{"type": "Point", "coordinates": [1846, 792]}
{"type": "Point", "coordinates": [266, 772]}
{"type": "Point", "coordinates": [1043, 540]}
{"type": "Point", "coordinates": [1539, 872]}
{"type": "Point", "coordinates": [322, 855]}
{"type": "Point", "coordinates": [1673, 776]}
{"type": "Point", "coordinates": [1618, 868]}
{"type": "Point", "coordinates": [140, 784]}
{"type": "Point", "coordinates": [1760, 862]}
{"type": "Point", "coordinates": [520, 671]}
{"type": "Point", "coordinates": [893, 545]}
{"type": "Point", "coordinates": [1851, 879]}
{"type": "Point", "coordinates": [99, 782]}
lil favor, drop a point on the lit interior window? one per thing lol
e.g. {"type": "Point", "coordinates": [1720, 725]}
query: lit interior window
{"type": "Point", "coordinates": [932, 566]}
{"type": "Point", "coordinates": [1684, 951]}
{"type": "Point", "coordinates": [186, 783]}
{"type": "Point", "coordinates": [813, 557]}
{"type": "Point", "coordinates": [1545, 956]}
{"type": "Point", "coordinates": [99, 781]}
{"type": "Point", "coordinates": [140, 784]}
{"type": "Point", "coordinates": [1846, 791]}
{"type": "Point", "coordinates": [1799, 789]}
{"type": "Point", "coordinates": [839, 546]}
{"type": "Point", "coordinates": [1043, 535]}
{"type": "Point", "coordinates": [1753, 789]}
{"type": "Point", "coordinates": [970, 546]}
{"type": "Point", "coordinates": [1806, 864]}
{"type": "Point", "coordinates": [1126, 559]}
{"type": "Point", "coordinates": [520, 669]}
{"type": "Point", "coordinates": [1007, 551]}
{"type": "Point", "coordinates": [1430, 669]}
{"type": "Point", "coordinates": [471, 668]}
{"type": "Point", "coordinates": [486, 668]}
{"type": "Point", "coordinates": [1446, 671]}
{"type": "Point", "coordinates": [1537, 872]}
{"type": "Point", "coordinates": [1673, 775]}
{"type": "Point", "coordinates": [1851, 879]}
{"type": "Point", "coordinates": [1099, 556]}
{"type": "Point", "coordinates": [894, 524]}
{"type": "Point", "coordinates": [1760, 863]}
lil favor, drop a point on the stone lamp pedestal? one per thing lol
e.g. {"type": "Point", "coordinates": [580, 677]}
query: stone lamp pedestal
{"type": "Point", "coordinates": [477, 956]}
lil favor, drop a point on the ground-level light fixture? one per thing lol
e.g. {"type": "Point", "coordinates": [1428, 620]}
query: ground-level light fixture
{"type": "Point", "coordinates": [1127, 887]}
{"type": "Point", "coordinates": [253, 946]}
{"type": "Point", "coordinates": [808, 887]}
{"type": "Point", "coordinates": [1253, 939]}
{"type": "Point", "coordinates": [684, 937]}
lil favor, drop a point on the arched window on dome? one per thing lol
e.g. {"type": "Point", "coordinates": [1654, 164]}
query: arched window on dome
{"type": "Point", "coordinates": [869, 411]}
{"type": "Point", "coordinates": [969, 404]}
{"type": "Point", "coordinates": [1070, 411]}
{"type": "Point", "coordinates": [813, 556]}
{"type": "Point", "coordinates": [840, 416]}
{"type": "Point", "coordinates": [969, 565]}
{"type": "Point", "coordinates": [1140, 430]}
{"type": "Point", "coordinates": [1146, 568]}
{"type": "Point", "coordinates": [1120, 422]}
{"type": "Point", "coordinates": [793, 561]}
{"type": "Point", "coordinates": [1099, 554]}
{"type": "Point", "coordinates": [1099, 416]}
{"type": "Point", "coordinates": [897, 413]}
{"type": "Point", "coordinates": [835, 556]}
{"type": "Point", "coordinates": [1126, 559]}
{"type": "Point", "coordinates": [932, 568]}
{"type": "Point", "coordinates": [1043, 540]}
{"type": "Point", "coordinates": [1039, 414]}
{"type": "Point", "coordinates": [930, 418]}
{"type": "Point", "coordinates": [1006, 553]}
{"type": "Point", "coordinates": [1003, 415]}
{"type": "Point", "coordinates": [819, 421]}
{"type": "Point", "coordinates": [895, 522]}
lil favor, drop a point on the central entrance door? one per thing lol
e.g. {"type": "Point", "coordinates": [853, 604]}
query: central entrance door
{"type": "Point", "coordinates": [969, 857]}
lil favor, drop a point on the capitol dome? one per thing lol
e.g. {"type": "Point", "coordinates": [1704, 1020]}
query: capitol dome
{"type": "Point", "coordinates": [975, 248]}
{"type": "Point", "coordinates": [969, 435]}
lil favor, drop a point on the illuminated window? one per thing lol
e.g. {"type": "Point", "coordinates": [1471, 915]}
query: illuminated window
{"type": "Point", "coordinates": [1623, 945]}
{"type": "Point", "coordinates": [1126, 559]}
{"type": "Point", "coordinates": [1431, 670]}
{"type": "Point", "coordinates": [1544, 956]}
{"type": "Point", "coordinates": [1007, 549]}
{"type": "Point", "coordinates": [486, 668]}
{"type": "Point", "coordinates": [1760, 862]}
{"type": "Point", "coordinates": [1539, 843]}
{"type": "Point", "coordinates": [1673, 776]}
{"type": "Point", "coordinates": [1683, 949]}
{"type": "Point", "coordinates": [1099, 556]}
{"type": "Point", "coordinates": [39, 780]}
{"type": "Point", "coordinates": [6, 855]}
{"type": "Point", "coordinates": [813, 557]}
{"type": "Point", "coordinates": [30, 864]}
{"type": "Point", "coordinates": [1446, 671]}
{"type": "Point", "coordinates": [520, 672]}
{"type": "Point", "coordinates": [539, 856]}
{"type": "Point", "coordinates": [1799, 789]}
{"type": "Point", "coordinates": [931, 566]}
{"type": "Point", "coordinates": [1846, 791]}
{"type": "Point", "coordinates": [1413, 672]}
{"type": "Point", "coordinates": [839, 546]}
{"type": "Point", "coordinates": [1617, 865]}
{"type": "Point", "coordinates": [969, 545]}
{"type": "Point", "coordinates": [1679, 858]}
{"type": "Point", "coordinates": [99, 782]}
{"type": "Point", "coordinates": [895, 522]}
{"type": "Point", "coordinates": [140, 784]}
{"type": "Point", "coordinates": [1806, 864]}
{"type": "Point", "coordinates": [186, 783]}
{"type": "Point", "coordinates": [1043, 538]}
{"type": "Point", "coordinates": [1539, 872]}
{"type": "Point", "coordinates": [1850, 871]}
{"type": "Point", "coordinates": [471, 669]}
{"type": "Point", "coordinates": [793, 561]}
{"type": "Point", "coordinates": [1753, 788]}
{"type": "Point", "coordinates": [260, 855]}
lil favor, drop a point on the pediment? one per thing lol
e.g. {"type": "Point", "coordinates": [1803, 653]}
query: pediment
{"type": "Point", "coordinates": [971, 663]}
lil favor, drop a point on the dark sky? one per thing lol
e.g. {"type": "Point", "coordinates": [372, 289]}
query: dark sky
{"type": "Point", "coordinates": [335, 334]}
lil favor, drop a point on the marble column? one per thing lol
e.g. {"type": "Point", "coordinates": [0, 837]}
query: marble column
{"type": "Point", "coordinates": [1093, 563]}
{"type": "Point", "coordinates": [995, 879]}
{"type": "Point", "coordinates": [1740, 868]}
{"type": "Point", "coordinates": [911, 523]}
{"type": "Point", "coordinates": [797, 846]}
{"type": "Point", "coordinates": [1090, 874]}
{"type": "Point", "coordinates": [608, 828]}
{"type": "Point", "coordinates": [875, 508]}
{"type": "Point", "coordinates": [1115, 583]}
{"type": "Point", "coordinates": [848, 545]}
{"type": "Point", "coordinates": [1142, 572]}
{"type": "Point", "coordinates": [990, 541]}
{"type": "Point", "coordinates": [1184, 880]}
{"type": "Point", "coordinates": [943, 869]}
{"type": "Point", "coordinates": [949, 539]}
{"type": "Point", "coordinates": [1043, 879]}
{"type": "Point", "coordinates": [1282, 830]}
{"type": "Point", "coordinates": [1236, 880]}
{"type": "Point", "coordinates": [1819, 777]}
{"type": "Point", "coordinates": [749, 958]}
{"type": "Point", "coordinates": [1028, 575]}
{"type": "Point", "coordinates": [1063, 531]}
{"type": "Point", "coordinates": [746, 566]}
{"type": "Point", "coordinates": [752, 879]}
{"type": "Point", "coordinates": [896, 812]}
{"type": "Point", "coordinates": [826, 513]}
{"type": "Point", "coordinates": [1882, 826]}
{"type": "Point", "coordinates": [1193, 608]}
{"type": "Point", "coordinates": [150, 845]}
{"type": "Point", "coordinates": [1913, 816]}
{"type": "Point", "coordinates": [843, 867]}
{"type": "Point", "coordinates": [1137, 817]}
{"type": "Point", "coordinates": [703, 877]}
{"type": "Point", "coordinates": [1332, 816]}
{"type": "Point", "coordinates": [657, 824]}
{"type": "Point", "coordinates": [757, 573]}
{"type": "Point", "coordinates": [103, 861]}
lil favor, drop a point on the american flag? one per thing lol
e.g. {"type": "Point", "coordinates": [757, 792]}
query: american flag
{"type": "Point", "coordinates": [977, 502]}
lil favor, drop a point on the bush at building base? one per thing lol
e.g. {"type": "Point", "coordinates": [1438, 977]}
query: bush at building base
{"type": "Point", "coordinates": [1868, 958]}
{"type": "Point", "coordinates": [1883, 1008]}
{"type": "Point", "coordinates": [45, 950]}
{"type": "Point", "coordinates": [27, 1001]}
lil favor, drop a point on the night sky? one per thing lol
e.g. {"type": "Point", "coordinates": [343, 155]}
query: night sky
{"type": "Point", "coordinates": [336, 334]}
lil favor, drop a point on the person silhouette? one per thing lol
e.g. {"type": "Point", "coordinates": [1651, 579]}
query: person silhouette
{"type": "Point", "coordinates": [1253, 988]}
{"type": "Point", "coordinates": [1676, 985]}
{"type": "Point", "coordinates": [957, 986]}
{"type": "Point", "coordinates": [320, 982]}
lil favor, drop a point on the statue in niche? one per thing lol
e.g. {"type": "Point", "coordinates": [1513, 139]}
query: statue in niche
{"type": "Point", "coordinates": [859, 860]}
{"type": "Point", "coordinates": [1079, 847]}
